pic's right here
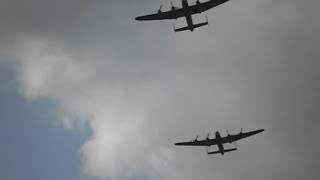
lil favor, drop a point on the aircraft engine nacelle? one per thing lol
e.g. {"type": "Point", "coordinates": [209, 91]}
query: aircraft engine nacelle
{"type": "Point", "coordinates": [173, 9]}
{"type": "Point", "coordinates": [198, 3]}
{"type": "Point", "coordinates": [159, 11]}
{"type": "Point", "coordinates": [229, 137]}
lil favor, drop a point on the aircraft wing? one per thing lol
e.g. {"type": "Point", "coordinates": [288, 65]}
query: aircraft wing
{"type": "Point", "coordinates": [208, 142]}
{"type": "Point", "coordinates": [223, 140]}
{"type": "Point", "coordinates": [172, 14]}
{"type": "Point", "coordinates": [201, 7]}
{"type": "Point", "coordinates": [245, 135]}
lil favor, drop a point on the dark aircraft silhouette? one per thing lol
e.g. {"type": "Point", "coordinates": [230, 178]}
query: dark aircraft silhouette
{"type": "Point", "coordinates": [220, 141]}
{"type": "Point", "coordinates": [186, 11]}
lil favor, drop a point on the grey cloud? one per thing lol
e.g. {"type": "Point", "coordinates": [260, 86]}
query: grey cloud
{"type": "Point", "coordinates": [255, 66]}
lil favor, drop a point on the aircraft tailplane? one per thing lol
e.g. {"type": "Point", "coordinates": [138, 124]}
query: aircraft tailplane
{"type": "Point", "coordinates": [214, 152]}
{"type": "Point", "coordinates": [219, 152]}
{"type": "Point", "coordinates": [188, 28]}
{"type": "Point", "coordinates": [228, 150]}
{"type": "Point", "coordinates": [182, 29]}
{"type": "Point", "coordinates": [200, 25]}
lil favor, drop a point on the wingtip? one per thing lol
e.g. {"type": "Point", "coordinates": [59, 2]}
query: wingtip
{"type": "Point", "coordinates": [138, 18]}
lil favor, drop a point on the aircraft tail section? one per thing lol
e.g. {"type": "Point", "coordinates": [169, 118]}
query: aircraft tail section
{"type": "Point", "coordinates": [214, 152]}
{"type": "Point", "coordinates": [188, 28]}
{"type": "Point", "coordinates": [222, 152]}
{"type": "Point", "coordinates": [219, 152]}
{"type": "Point", "coordinates": [228, 150]}
{"type": "Point", "coordinates": [200, 25]}
{"type": "Point", "coordinates": [181, 29]}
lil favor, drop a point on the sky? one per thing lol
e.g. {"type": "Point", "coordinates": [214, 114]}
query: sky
{"type": "Point", "coordinates": [87, 92]}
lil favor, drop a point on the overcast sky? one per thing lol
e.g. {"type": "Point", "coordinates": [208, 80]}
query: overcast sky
{"type": "Point", "coordinates": [89, 93]}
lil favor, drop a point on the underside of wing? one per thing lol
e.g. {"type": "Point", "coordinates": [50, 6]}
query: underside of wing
{"type": "Point", "coordinates": [172, 14]}
{"type": "Point", "coordinates": [201, 7]}
{"type": "Point", "coordinates": [208, 142]}
{"type": "Point", "coordinates": [192, 143]}
{"type": "Point", "coordinates": [245, 135]}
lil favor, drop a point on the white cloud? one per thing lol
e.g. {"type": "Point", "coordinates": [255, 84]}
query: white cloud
{"type": "Point", "coordinates": [119, 142]}
{"type": "Point", "coordinates": [128, 134]}
{"type": "Point", "coordinates": [45, 69]}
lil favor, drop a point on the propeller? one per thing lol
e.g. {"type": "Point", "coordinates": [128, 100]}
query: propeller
{"type": "Point", "coordinates": [208, 136]}
{"type": "Point", "coordinates": [159, 11]}
{"type": "Point", "coordinates": [196, 3]}
{"type": "Point", "coordinates": [229, 136]}
{"type": "Point", "coordinates": [173, 7]}
{"type": "Point", "coordinates": [240, 131]}
{"type": "Point", "coordinates": [196, 138]}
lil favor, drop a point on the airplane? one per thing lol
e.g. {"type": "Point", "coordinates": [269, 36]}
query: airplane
{"type": "Point", "coordinates": [220, 141]}
{"type": "Point", "coordinates": [186, 11]}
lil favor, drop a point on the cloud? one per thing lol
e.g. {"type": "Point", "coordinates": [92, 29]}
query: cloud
{"type": "Point", "coordinates": [118, 143]}
{"type": "Point", "coordinates": [141, 88]}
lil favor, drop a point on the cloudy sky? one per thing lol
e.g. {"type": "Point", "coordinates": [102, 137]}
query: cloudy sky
{"type": "Point", "coordinates": [87, 92]}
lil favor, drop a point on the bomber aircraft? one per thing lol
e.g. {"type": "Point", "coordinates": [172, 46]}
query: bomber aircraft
{"type": "Point", "coordinates": [220, 141]}
{"type": "Point", "coordinates": [186, 11]}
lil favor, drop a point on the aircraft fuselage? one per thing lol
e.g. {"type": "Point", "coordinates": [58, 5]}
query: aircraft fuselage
{"type": "Point", "coordinates": [185, 6]}
{"type": "Point", "coordinates": [220, 145]}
